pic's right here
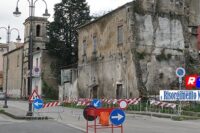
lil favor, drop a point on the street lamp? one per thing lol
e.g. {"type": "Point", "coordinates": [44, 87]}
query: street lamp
{"type": "Point", "coordinates": [30, 49]}
{"type": "Point", "coordinates": [8, 30]}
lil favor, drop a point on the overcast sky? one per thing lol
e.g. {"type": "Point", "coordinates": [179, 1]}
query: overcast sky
{"type": "Point", "coordinates": [8, 6]}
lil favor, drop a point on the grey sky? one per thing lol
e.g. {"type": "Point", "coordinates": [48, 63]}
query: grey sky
{"type": "Point", "coordinates": [8, 6]}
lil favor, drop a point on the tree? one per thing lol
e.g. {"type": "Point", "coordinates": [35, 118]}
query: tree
{"type": "Point", "coordinates": [62, 32]}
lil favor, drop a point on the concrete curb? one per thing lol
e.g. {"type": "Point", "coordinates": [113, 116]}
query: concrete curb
{"type": "Point", "coordinates": [160, 115]}
{"type": "Point", "coordinates": [151, 114]}
{"type": "Point", "coordinates": [24, 117]}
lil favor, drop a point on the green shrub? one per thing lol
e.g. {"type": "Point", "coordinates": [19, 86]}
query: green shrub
{"type": "Point", "coordinates": [192, 107]}
{"type": "Point", "coordinates": [49, 92]}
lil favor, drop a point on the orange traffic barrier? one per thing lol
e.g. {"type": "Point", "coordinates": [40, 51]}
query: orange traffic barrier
{"type": "Point", "coordinates": [104, 118]}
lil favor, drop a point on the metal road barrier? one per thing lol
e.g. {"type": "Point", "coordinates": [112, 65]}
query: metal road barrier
{"type": "Point", "coordinates": [134, 104]}
{"type": "Point", "coordinates": [51, 107]}
{"type": "Point", "coordinates": [78, 114]}
{"type": "Point", "coordinates": [164, 107]}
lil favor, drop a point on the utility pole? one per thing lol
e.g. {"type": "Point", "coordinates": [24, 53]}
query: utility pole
{"type": "Point", "coordinates": [30, 49]}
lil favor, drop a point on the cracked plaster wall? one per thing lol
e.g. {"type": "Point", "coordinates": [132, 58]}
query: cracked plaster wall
{"type": "Point", "coordinates": [161, 42]}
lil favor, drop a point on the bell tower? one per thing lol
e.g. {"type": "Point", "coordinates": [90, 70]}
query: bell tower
{"type": "Point", "coordinates": [39, 40]}
{"type": "Point", "coordinates": [39, 25]}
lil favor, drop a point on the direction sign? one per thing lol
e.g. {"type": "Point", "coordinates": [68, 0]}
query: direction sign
{"type": "Point", "coordinates": [123, 104]}
{"type": "Point", "coordinates": [96, 103]}
{"type": "Point", "coordinates": [117, 117]}
{"type": "Point", "coordinates": [180, 72]}
{"type": "Point", "coordinates": [38, 103]}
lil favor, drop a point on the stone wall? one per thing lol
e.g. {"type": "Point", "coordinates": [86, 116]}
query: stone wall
{"type": "Point", "coordinates": [163, 43]}
{"type": "Point", "coordinates": [164, 6]}
{"type": "Point", "coordinates": [47, 73]}
{"type": "Point", "coordinates": [194, 12]}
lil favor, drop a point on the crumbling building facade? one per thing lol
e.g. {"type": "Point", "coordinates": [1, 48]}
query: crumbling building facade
{"type": "Point", "coordinates": [134, 50]}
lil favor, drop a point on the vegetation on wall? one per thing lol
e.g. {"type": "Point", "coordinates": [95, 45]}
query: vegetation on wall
{"type": "Point", "coordinates": [49, 92]}
{"type": "Point", "coordinates": [55, 69]}
{"type": "Point", "coordinates": [137, 6]}
{"type": "Point", "coordinates": [192, 65]}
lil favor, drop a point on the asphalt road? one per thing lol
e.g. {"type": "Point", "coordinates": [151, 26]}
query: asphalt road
{"type": "Point", "coordinates": [74, 118]}
{"type": "Point", "coordinates": [146, 124]}
{"type": "Point", "coordinates": [8, 125]}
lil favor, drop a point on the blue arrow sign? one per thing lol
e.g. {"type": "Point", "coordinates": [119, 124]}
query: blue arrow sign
{"type": "Point", "coordinates": [117, 117]}
{"type": "Point", "coordinates": [38, 104]}
{"type": "Point", "coordinates": [96, 103]}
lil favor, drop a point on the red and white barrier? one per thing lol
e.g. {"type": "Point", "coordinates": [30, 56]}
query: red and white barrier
{"type": "Point", "coordinates": [163, 104]}
{"type": "Point", "coordinates": [133, 101]}
{"type": "Point", "coordinates": [51, 104]}
{"type": "Point", "coordinates": [83, 102]}
{"type": "Point", "coordinates": [87, 101]}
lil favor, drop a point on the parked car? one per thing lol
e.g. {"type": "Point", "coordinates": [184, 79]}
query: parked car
{"type": "Point", "coordinates": [2, 95]}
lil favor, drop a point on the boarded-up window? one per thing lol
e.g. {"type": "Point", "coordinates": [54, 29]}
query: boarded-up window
{"type": "Point", "coordinates": [84, 47]}
{"type": "Point", "coordinates": [120, 35]}
{"type": "Point", "coordinates": [37, 62]}
{"type": "Point", "coordinates": [17, 60]}
{"type": "Point", "coordinates": [119, 91]}
{"type": "Point", "coordinates": [67, 75]}
{"type": "Point", "coordinates": [95, 43]}
{"type": "Point", "coordinates": [93, 92]}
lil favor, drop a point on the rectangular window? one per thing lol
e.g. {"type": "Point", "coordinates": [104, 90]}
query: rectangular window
{"type": "Point", "coordinates": [120, 35]}
{"type": "Point", "coordinates": [17, 60]}
{"type": "Point", "coordinates": [95, 43]}
{"type": "Point", "coordinates": [8, 62]}
{"type": "Point", "coordinates": [84, 47]}
{"type": "Point", "coordinates": [37, 62]}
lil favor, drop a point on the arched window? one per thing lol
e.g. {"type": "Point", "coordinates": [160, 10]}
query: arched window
{"type": "Point", "coordinates": [38, 30]}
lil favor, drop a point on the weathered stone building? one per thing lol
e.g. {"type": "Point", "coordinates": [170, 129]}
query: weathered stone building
{"type": "Point", "coordinates": [105, 62]}
{"type": "Point", "coordinates": [3, 49]}
{"type": "Point", "coordinates": [134, 50]}
{"type": "Point", "coordinates": [13, 72]}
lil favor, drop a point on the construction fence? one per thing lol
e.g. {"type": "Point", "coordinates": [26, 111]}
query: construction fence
{"type": "Point", "coordinates": [134, 104]}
